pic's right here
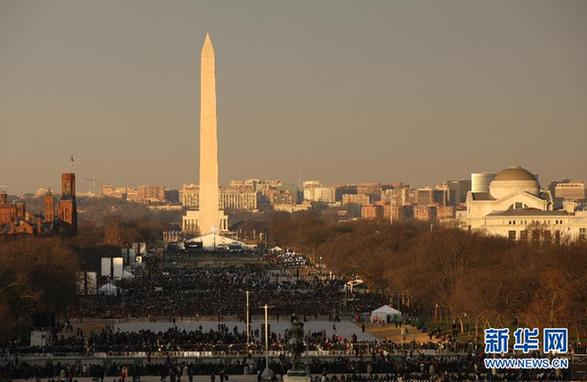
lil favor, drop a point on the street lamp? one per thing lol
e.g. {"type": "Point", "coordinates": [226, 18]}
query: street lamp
{"type": "Point", "coordinates": [267, 373]}
{"type": "Point", "coordinates": [247, 319]}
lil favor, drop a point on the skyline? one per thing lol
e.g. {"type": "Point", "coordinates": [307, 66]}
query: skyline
{"type": "Point", "coordinates": [403, 97]}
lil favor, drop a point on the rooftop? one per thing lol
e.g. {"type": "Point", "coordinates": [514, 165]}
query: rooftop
{"type": "Point", "coordinates": [514, 173]}
{"type": "Point", "coordinates": [528, 212]}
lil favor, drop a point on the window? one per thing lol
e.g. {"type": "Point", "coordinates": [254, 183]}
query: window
{"type": "Point", "coordinates": [582, 233]}
{"type": "Point", "coordinates": [512, 235]}
{"type": "Point", "coordinates": [523, 235]}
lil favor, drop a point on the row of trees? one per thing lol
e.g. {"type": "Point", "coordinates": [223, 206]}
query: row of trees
{"type": "Point", "coordinates": [36, 275]}
{"type": "Point", "coordinates": [465, 277]}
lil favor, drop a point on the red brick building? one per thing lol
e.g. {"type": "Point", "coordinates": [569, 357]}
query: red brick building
{"type": "Point", "coordinates": [67, 215]}
{"type": "Point", "coordinates": [14, 218]}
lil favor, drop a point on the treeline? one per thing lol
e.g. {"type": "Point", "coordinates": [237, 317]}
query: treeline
{"type": "Point", "coordinates": [116, 231]}
{"type": "Point", "coordinates": [117, 222]}
{"type": "Point", "coordinates": [100, 210]}
{"type": "Point", "coordinates": [467, 278]}
{"type": "Point", "coordinates": [36, 275]}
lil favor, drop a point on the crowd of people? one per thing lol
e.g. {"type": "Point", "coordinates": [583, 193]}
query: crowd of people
{"type": "Point", "coordinates": [223, 340]}
{"type": "Point", "coordinates": [220, 291]}
{"type": "Point", "coordinates": [457, 368]}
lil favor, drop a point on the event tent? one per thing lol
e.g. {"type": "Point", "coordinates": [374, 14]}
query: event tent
{"type": "Point", "coordinates": [385, 313]}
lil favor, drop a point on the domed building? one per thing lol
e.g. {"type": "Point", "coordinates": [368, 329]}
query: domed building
{"type": "Point", "coordinates": [513, 180]}
{"type": "Point", "coordinates": [515, 201]}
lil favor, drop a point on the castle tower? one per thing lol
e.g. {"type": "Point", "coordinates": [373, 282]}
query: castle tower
{"type": "Point", "coordinates": [68, 186]}
{"type": "Point", "coordinates": [49, 203]}
{"type": "Point", "coordinates": [67, 211]}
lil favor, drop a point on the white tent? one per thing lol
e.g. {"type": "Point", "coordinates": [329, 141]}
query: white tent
{"type": "Point", "coordinates": [385, 313]}
{"type": "Point", "coordinates": [108, 289]}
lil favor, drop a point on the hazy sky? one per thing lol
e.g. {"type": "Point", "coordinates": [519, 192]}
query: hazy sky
{"type": "Point", "coordinates": [412, 91]}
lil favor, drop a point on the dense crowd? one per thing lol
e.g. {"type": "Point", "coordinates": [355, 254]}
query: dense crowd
{"type": "Point", "coordinates": [223, 340]}
{"type": "Point", "coordinates": [219, 292]}
{"type": "Point", "coordinates": [467, 367]}
{"type": "Point", "coordinates": [191, 292]}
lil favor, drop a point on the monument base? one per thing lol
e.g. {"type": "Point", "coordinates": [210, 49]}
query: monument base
{"type": "Point", "coordinates": [296, 376]}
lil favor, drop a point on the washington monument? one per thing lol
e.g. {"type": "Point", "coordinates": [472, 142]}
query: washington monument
{"type": "Point", "coordinates": [209, 218]}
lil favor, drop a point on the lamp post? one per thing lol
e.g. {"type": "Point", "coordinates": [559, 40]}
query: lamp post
{"type": "Point", "coordinates": [247, 318]}
{"type": "Point", "coordinates": [267, 373]}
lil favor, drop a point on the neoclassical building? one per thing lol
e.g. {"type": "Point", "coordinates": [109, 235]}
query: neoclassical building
{"type": "Point", "coordinates": [515, 203]}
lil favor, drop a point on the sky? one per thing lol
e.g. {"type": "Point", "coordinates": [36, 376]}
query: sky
{"type": "Point", "coordinates": [341, 91]}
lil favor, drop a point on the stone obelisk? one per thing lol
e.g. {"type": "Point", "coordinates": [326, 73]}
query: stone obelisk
{"type": "Point", "coordinates": [209, 214]}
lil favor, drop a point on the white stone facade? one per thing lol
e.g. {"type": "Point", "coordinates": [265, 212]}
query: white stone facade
{"type": "Point", "coordinates": [514, 206]}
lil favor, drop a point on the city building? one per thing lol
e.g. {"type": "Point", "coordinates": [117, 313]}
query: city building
{"type": "Point", "coordinates": [568, 190]}
{"type": "Point", "coordinates": [515, 205]}
{"type": "Point", "coordinates": [398, 195]}
{"type": "Point", "coordinates": [150, 193]}
{"type": "Point", "coordinates": [60, 217]}
{"type": "Point", "coordinates": [315, 191]}
{"type": "Point", "coordinates": [109, 191]}
{"type": "Point", "coordinates": [360, 199]}
{"type": "Point", "coordinates": [282, 198]}
{"type": "Point", "coordinates": [432, 196]}
{"type": "Point", "coordinates": [132, 194]}
{"type": "Point", "coordinates": [262, 186]}
{"type": "Point", "coordinates": [372, 211]}
{"type": "Point", "coordinates": [189, 195]}
{"type": "Point", "coordinates": [320, 194]}
{"type": "Point", "coordinates": [425, 212]}
{"type": "Point", "coordinates": [458, 190]}
{"type": "Point", "coordinates": [67, 208]}
{"type": "Point", "coordinates": [231, 199]}
{"type": "Point", "coordinates": [172, 196]}
{"type": "Point", "coordinates": [445, 212]}
{"type": "Point", "coordinates": [371, 189]}
{"type": "Point", "coordinates": [401, 213]}
{"type": "Point", "coordinates": [339, 191]}
{"type": "Point", "coordinates": [235, 200]}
